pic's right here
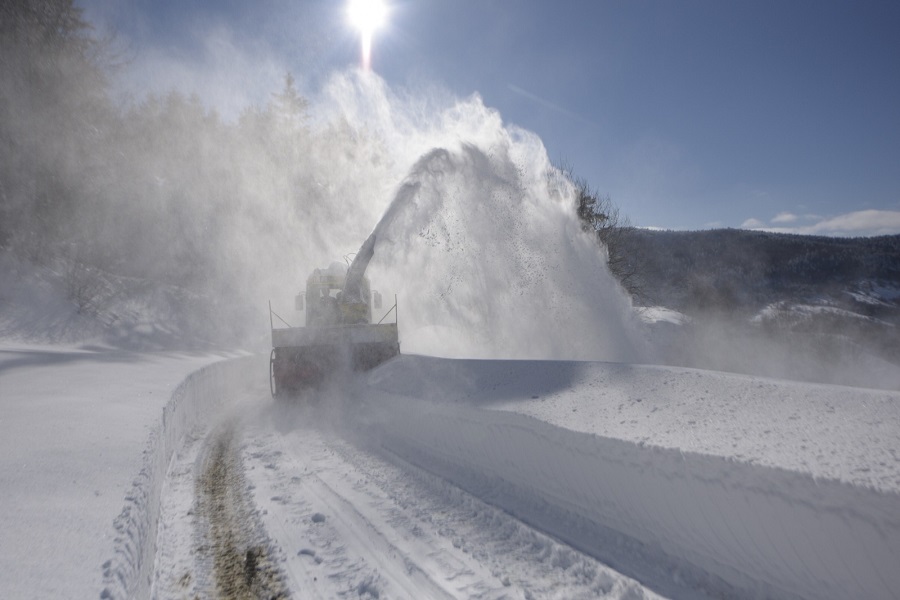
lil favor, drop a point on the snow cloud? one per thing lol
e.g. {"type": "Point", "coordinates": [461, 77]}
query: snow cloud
{"type": "Point", "coordinates": [862, 223]}
{"type": "Point", "coordinates": [223, 72]}
{"type": "Point", "coordinates": [479, 238]}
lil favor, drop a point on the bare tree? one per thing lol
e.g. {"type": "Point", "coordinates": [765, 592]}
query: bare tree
{"type": "Point", "coordinates": [600, 216]}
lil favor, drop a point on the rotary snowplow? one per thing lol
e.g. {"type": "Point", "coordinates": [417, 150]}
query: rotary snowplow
{"type": "Point", "coordinates": [339, 332]}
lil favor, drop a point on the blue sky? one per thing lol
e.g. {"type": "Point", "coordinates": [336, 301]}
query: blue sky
{"type": "Point", "coordinates": [767, 114]}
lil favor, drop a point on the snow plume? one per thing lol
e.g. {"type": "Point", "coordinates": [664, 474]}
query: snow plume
{"type": "Point", "coordinates": [480, 241]}
{"type": "Point", "coordinates": [484, 249]}
{"type": "Point", "coordinates": [494, 263]}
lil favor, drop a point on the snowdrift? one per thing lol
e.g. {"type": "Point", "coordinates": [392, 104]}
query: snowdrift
{"type": "Point", "coordinates": [675, 519]}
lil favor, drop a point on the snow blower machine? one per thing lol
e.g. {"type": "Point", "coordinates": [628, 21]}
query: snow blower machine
{"type": "Point", "coordinates": [339, 332]}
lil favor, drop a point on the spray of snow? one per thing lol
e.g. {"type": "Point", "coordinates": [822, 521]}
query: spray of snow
{"type": "Point", "coordinates": [483, 247]}
{"type": "Point", "coordinates": [487, 248]}
{"type": "Point", "coordinates": [478, 236]}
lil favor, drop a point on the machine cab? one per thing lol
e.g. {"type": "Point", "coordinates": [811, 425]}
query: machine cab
{"type": "Point", "coordinates": [325, 306]}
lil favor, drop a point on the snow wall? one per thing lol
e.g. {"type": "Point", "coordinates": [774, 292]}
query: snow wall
{"type": "Point", "coordinates": [659, 515]}
{"type": "Point", "coordinates": [195, 403]}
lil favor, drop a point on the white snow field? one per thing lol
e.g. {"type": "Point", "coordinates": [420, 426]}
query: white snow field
{"type": "Point", "coordinates": [450, 478]}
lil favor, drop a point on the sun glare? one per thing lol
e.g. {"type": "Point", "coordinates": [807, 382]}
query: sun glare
{"type": "Point", "coordinates": [367, 16]}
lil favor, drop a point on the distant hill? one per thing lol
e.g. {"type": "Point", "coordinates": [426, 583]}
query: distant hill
{"type": "Point", "coordinates": [734, 270]}
{"type": "Point", "coordinates": [804, 306]}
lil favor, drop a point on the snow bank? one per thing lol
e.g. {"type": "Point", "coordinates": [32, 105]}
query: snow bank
{"type": "Point", "coordinates": [634, 497]}
{"type": "Point", "coordinates": [199, 398]}
{"type": "Point", "coordinates": [73, 423]}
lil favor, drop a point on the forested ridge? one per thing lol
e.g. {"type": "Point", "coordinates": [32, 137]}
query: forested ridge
{"type": "Point", "coordinates": [731, 269]}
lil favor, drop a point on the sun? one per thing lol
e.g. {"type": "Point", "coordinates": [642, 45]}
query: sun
{"type": "Point", "coordinates": [367, 16]}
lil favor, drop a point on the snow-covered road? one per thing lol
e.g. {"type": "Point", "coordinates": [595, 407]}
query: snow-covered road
{"type": "Point", "coordinates": [742, 487]}
{"type": "Point", "coordinates": [352, 521]}
{"type": "Point", "coordinates": [339, 517]}
{"type": "Point", "coordinates": [445, 478]}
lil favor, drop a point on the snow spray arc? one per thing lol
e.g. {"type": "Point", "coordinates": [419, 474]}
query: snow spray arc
{"type": "Point", "coordinates": [494, 263]}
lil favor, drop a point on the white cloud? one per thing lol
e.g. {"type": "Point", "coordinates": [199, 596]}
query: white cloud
{"type": "Point", "coordinates": [752, 224]}
{"type": "Point", "coordinates": [861, 223]}
{"type": "Point", "coordinates": [784, 217]}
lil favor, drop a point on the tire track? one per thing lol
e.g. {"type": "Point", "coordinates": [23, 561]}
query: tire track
{"type": "Point", "coordinates": [354, 522]}
{"type": "Point", "coordinates": [230, 536]}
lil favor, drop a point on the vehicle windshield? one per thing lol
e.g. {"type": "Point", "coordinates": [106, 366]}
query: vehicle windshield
{"type": "Point", "coordinates": [322, 305]}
